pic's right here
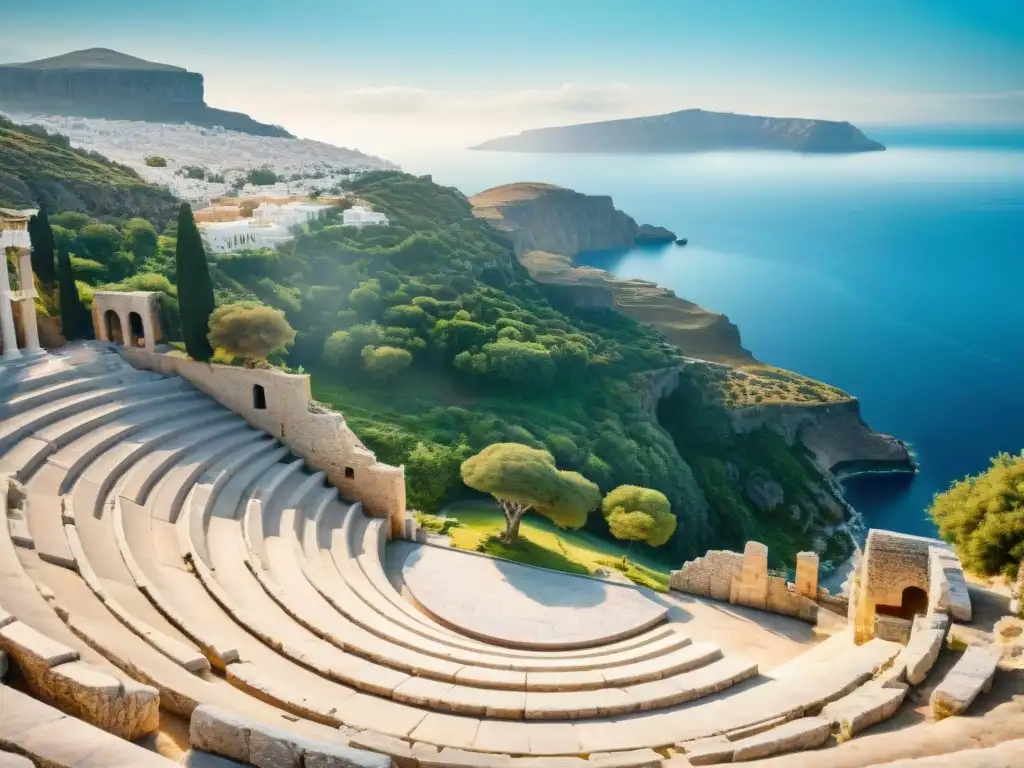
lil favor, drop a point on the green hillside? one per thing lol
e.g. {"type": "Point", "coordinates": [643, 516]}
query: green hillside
{"type": "Point", "coordinates": [37, 167]}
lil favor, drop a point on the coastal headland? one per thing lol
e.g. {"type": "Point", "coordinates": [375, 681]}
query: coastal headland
{"type": "Point", "coordinates": [550, 225]}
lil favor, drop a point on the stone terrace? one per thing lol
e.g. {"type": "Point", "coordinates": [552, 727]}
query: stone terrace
{"type": "Point", "coordinates": [160, 550]}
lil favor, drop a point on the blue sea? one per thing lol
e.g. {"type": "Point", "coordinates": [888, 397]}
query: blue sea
{"type": "Point", "coordinates": [897, 276]}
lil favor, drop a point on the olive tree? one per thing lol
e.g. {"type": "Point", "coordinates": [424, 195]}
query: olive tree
{"type": "Point", "coordinates": [521, 478]}
{"type": "Point", "coordinates": [982, 516]}
{"type": "Point", "coordinates": [639, 514]}
{"type": "Point", "coordinates": [250, 330]}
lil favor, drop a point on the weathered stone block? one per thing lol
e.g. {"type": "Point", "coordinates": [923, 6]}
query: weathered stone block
{"type": "Point", "coordinates": [750, 585]}
{"type": "Point", "coordinates": [805, 733]}
{"type": "Point", "coordinates": [217, 730]}
{"type": "Point", "coordinates": [807, 575]}
{"type": "Point", "coordinates": [869, 704]}
{"type": "Point", "coordinates": [971, 675]}
{"type": "Point", "coordinates": [923, 649]}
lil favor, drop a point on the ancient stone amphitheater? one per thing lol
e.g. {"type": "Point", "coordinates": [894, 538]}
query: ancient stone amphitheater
{"type": "Point", "coordinates": [165, 561]}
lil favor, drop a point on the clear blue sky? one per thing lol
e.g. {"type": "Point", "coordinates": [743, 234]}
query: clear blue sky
{"type": "Point", "coordinates": [906, 61]}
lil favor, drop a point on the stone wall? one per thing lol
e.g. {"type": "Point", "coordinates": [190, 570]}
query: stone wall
{"type": "Point", "coordinates": [123, 304]}
{"type": "Point", "coordinates": [743, 579]}
{"type": "Point", "coordinates": [893, 563]}
{"type": "Point", "coordinates": [708, 576]}
{"type": "Point", "coordinates": [311, 431]}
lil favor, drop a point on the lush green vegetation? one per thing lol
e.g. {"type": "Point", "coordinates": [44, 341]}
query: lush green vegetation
{"type": "Point", "coordinates": [250, 331]}
{"type": "Point", "coordinates": [982, 516]}
{"type": "Point", "coordinates": [40, 168]}
{"type": "Point", "coordinates": [543, 544]}
{"type": "Point", "coordinates": [521, 478]}
{"type": "Point", "coordinates": [195, 288]}
{"type": "Point", "coordinates": [639, 514]}
{"type": "Point", "coordinates": [435, 343]}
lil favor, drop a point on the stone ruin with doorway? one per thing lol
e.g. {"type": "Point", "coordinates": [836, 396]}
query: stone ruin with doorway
{"type": "Point", "coordinates": [128, 318]}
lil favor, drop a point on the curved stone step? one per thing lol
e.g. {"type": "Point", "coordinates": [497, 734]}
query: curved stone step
{"type": "Point", "coordinates": [241, 596]}
{"type": "Point", "coordinates": [219, 426]}
{"type": "Point", "coordinates": [52, 738]}
{"type": "Point", "coordinates": [76, 454]}
{"type": "Point", "coordinates": [16, 426]}
{"type": "Point", "coordinates": [651, 644]}
{"type": "Point", "coordinates": [25, 457]}
{"type": "Point", "coordinates": [283, 580]}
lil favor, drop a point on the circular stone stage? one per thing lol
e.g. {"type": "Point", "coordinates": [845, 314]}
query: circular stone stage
{"type": "Point", "coordinates": [520, 606]}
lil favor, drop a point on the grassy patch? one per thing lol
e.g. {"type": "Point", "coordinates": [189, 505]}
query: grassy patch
{"type": "Point", "coordinates": [545, 545]}
{"type": "Point", "coordinates": [435, 524]}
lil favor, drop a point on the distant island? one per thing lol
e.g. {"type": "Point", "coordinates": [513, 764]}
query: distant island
{"type": "Point", "coordinates": [692, 130]}
{"type": "Point", "coordinates": [99, 82]}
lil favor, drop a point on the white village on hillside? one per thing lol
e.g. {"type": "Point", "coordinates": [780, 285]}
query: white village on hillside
{"type": "Point", "coordinates": [301, 167]}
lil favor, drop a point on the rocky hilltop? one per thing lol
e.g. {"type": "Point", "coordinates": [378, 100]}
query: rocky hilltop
{"type": "Point", "coordinates": [98, 82]}
{"type": "Point", "coordinates": [692, 130]}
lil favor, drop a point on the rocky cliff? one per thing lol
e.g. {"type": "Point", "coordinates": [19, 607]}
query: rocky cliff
{"type": "Point", "coordinates": [691, 130]}
{"type": "Point", "coordinates": [543, 217]}
{"type": "Point", "coordinates": [835, 434]}
{"type": "Point", "coordinates": [549, 225]}
{"type": "Point", "coordinates": [98, 82]}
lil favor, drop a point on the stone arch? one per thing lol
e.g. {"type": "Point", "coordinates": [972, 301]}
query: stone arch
{"type": "Point", "coordinates": [259, 397]}
{"type": "Point", "coordinates": [136, 330]}
{"type": "Point", "coordinates": [112, 324]}
{"type": "Point", "coordinates": [913, 601]}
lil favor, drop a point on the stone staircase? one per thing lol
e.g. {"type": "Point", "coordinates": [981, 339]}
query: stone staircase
{"type": "Point", "coordinates": [169, 552]}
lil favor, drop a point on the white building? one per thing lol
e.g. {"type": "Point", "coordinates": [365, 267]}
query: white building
{"type": "Point", "coordinates": [271, 225]}
{"type": "Point", "coordinates": [358, 216]}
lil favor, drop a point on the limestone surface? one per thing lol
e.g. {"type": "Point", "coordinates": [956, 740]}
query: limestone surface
{"type": "Point", "coordinates": [222, 732]}
{"type": "Point", "coordinates": [804, 733]}
{"type": "Point", "coordinates": [864, 707]}
{"type": "Point", "coordinates": [522, 606]}
{"type": "Point", "coordinates": [971, 675]}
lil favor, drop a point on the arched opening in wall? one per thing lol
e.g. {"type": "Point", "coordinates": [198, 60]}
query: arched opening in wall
{"type": "Point", "coordinates": [913, 602]}
{"type": "Point", "coordinates": [259, 397]}
{"type": "Point", "coordinates": [113, 326]}
{"type": "Point", "coordinates": [350, 473]}
{"type": "Point", "coordinates": [136, 330]}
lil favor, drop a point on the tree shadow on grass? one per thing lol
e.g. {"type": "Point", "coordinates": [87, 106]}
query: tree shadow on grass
{"type": "Point", "coordinates": [544, 588]}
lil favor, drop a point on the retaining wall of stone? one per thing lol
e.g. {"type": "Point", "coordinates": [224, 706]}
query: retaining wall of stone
{"type": "Point", "coordinates": [281, 404]}
{"type": "Point", "coordinates": [743, 579]}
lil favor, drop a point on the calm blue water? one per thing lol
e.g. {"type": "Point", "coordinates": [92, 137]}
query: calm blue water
{"type": "Point", "coordinates": [898, 276]}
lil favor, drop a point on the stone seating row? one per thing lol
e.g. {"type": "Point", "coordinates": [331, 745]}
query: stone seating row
{"type": "Point", "coordinates": [267, 678]}
{"type": "Point", "coordinates": [55, 672]}
{"type": "Point", "coordinates": [231, 582]}
{"type": "Point", "coordinates": [42, 735]}
{"type": "Point", "coordinates": [281, 576]}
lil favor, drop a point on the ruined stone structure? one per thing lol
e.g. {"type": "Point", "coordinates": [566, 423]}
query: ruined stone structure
{"type": "Point", "coordinates": [745, 580]}
{"type": "Point", "coordinates": [902, 576]}
{"type": "Point", "coordinates": [159, 554]}
{"type": "Point", "coordinates": [131, 318]}
{"type": "Point", "coordinates": [19, 329]}
{"type": "Point", "coordinates": [281, 404]}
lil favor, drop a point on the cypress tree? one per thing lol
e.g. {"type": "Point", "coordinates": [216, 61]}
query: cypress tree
{"type": "Point", "coordinates": [44, 247]}
{"type": "Point", "coordinates": [75, 320]}
{"type": "Point", "coordinates": [195, 289]}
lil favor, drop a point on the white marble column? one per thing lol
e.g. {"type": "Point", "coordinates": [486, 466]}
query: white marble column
{"type": "Point", "coordinates": [7, 333]}
{"type": "Point", "coordinates": [28, 302]}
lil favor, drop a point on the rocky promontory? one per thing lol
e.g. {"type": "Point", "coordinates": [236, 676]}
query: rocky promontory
{"type": "Point", "coordinates": [820, 424]}
{"type": "Point", "coordinates": [692, 130]}
{"type": "Point", "coordinates": [549, 225]}
{"type": "Point", "coordinates": [99, 82]}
